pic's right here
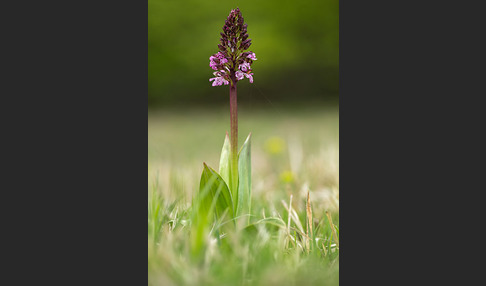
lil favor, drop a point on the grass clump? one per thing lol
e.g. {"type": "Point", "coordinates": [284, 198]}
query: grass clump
{"type": "Point", "coordinates": [291, 236]}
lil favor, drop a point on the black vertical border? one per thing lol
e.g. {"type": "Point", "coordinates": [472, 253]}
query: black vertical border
{"type": "Point", "coordinates": [74, 109]}
{"type": "Point", "coordinates": [411, 141]}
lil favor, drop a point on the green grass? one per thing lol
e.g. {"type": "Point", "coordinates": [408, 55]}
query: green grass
{"type": "Point", "coordinates": [294, 152]}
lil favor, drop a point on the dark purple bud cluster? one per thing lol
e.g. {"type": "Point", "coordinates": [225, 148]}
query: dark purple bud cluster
{"type": "Point", "coordinates": [231, 62]}
{"type": "Point", "coordinates": [234, 36]}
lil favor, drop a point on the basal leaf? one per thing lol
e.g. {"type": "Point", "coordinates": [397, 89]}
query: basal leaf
{"type": "Point", "coordinates": [201, 216]}
{"type": "Point", "coordinates": [226, 168]}
{"type": "Point", "coordinates": [225, 161]}
{"type": "Point", "coordinates": [218, 199]}
{"type": "Point", "coordinates": [244, 179]}
{"type": "Point", "coordinates": [213, 202]}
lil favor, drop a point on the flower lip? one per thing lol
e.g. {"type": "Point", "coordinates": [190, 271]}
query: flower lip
{"type": "Point", "coordinates": [250, 77]}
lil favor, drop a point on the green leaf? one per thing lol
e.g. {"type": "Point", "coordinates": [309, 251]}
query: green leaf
{"type": "Point", "coordinates": [244, 179]}
{"type": "Point", "coordinates": [213, 201]}
{"type": "Point", "coordinates": [226, 169]}
{"type": "Point", "coordinates": [225, 161]}
{"type": "Point", "coordinates": [217, 199]}
{"type": "Point", "coordinates": [201, 218]}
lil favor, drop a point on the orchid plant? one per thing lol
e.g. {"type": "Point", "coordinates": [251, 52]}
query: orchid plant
{"type": "Point", "coordinates": [227, 194]}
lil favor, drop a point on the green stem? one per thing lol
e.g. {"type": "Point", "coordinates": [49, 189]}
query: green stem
{"type": "Point", "coordinates": [234, 141]}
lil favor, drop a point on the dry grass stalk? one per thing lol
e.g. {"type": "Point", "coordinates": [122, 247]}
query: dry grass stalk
{"type": "Point", "coordinates": [332, 228]}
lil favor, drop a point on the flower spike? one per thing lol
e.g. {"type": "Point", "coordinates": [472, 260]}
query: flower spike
{"type": "Point", "coordinates": [232, 62]}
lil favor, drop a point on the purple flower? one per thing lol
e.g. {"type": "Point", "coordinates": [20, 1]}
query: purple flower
{"type": "Point", "coordinates": [240, 75]}
{"type": "Point", "coordinates": [220, 79]}
{"type": "Point", "coordinates": [213, 65]}
{"type": "Point", "coordinates": [217, 60]}
{"type": "Point", "coordinates": [245, 66]}
{"type": "Point", "coordinates": [252, 56]}
{"type": "Point", "coordinates": [232, 63]}
{"type": "Point", "coordinates": [244, 71]}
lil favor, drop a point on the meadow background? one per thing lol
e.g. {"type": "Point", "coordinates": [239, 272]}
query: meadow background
{"type": "Point", "coordinates": [291, 110]}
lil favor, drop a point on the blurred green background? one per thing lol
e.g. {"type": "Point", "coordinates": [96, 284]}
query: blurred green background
{"type": "Point", "coordinates": [296, 43]}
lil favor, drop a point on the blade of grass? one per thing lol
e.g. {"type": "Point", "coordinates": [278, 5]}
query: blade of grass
{"type": "Point", "coordinates": [332, 228]}
{"type": "Point", "coordinates": [309, 221]}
